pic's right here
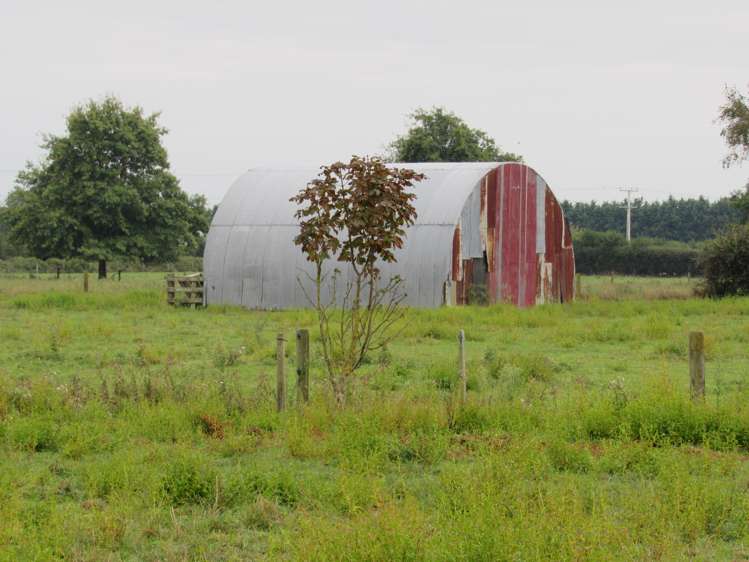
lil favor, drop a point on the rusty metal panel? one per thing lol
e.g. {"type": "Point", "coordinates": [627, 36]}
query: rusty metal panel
{"type": "Point", "coordinates": [457, 264]}
{"type": "Point", "coordinates": [493, 234]}
{"type": "Point", "coordinates": [528, 274]}
{"type": "Point", "coordinates": [567, 262]}
{"type": "Point", "coordinates": [511, 223]}
{"type": "Point", "coordinates": [559, 252]}
{"type": "Point", "coordinates": [553, 234]}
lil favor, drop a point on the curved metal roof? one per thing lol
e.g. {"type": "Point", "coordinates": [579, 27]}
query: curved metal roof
{"type": "Point", "coordinates": [251, 259]}
{"type": "Point", "coordinates": [261, 195]}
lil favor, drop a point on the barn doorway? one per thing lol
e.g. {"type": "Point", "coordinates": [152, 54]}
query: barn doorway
{"type": "Point", "coordinates": [479, 275]}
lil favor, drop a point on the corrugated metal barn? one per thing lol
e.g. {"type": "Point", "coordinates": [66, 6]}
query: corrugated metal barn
{"type": "Point", "coordinates": [485, 233]}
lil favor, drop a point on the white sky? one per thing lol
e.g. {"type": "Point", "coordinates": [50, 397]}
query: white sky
{"type": "Point", "coordinates": [594, 94]}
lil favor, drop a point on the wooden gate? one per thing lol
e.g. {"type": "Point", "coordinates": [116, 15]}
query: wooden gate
{"type": "Point", "coordinates": [185, 290]}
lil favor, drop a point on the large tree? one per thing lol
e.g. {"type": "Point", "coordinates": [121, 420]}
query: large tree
{"type": "Point", "coordinates": [438, 135]}
{"type": "Point", "coordinates": [104, 191]}
{"type": "Point", "coordinates": [734, 116]}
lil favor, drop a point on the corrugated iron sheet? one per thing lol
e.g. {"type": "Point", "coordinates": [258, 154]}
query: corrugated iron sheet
{"type": "Point", "coordinates": [485, 232]}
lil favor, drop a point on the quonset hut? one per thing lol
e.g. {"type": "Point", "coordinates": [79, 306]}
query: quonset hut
{"type": "Point", "coordinates": [485, 233]}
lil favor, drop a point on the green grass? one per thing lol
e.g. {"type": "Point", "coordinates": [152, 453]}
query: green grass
{"type": "Point", "coordinates": [131, 430]}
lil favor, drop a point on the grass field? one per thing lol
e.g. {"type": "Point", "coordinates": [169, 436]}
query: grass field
{"type": "Point", "coordinates": [133, 431]}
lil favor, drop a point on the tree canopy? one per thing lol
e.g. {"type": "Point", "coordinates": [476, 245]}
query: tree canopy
{"type": "Point", "coordinates": [104, 191]}
{"type": "Point", "coordinates": [7, 247]}
{"type": "Point", "coordinates": [438, 135]}
{"type": "Point", "coordinates": [734, 116]}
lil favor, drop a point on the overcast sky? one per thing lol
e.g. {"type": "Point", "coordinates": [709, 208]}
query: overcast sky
{"type": "Point", "coordinates": [595, 95]}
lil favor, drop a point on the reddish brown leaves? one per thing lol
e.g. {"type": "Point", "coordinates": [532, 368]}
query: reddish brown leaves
{"type": "Point", "coordinates": [356, 212]}
{"type": "Point", "coordinates": [211, 426]}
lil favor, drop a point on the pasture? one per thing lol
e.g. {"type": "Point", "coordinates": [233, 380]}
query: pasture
{"type": "Point", "coordinates": [130, 430]}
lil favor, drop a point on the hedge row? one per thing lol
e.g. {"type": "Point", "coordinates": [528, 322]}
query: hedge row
{"type": "Point", "coordinates": [598, 253]}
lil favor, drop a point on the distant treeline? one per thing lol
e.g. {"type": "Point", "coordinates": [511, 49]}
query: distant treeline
{"type": "Point", "coordinates": [606, 252]}
{"type": "Point", "coordinates": [20, 264]}
{"type": "Point", "coordinates": [687, 220]}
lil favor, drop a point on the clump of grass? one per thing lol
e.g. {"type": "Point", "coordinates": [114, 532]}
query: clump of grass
{"type": "Point", "coordinates": [223, 358]}
{"type": "Point", "coordinates": [470, 418]}
{"type": "Point", "coordinates": [384, 357]}
{"type": "Point", "coordinates": [145, 356]}
{"type": "Point", "coordinates": [445, 378]}
{"type": "Point", "coordinates": [262, 514]}
{"type": "Point", "coordinates": [637, 458]}
{"type": "Point", "coordinates": [529, 366]}
{"type": "Point", "coordinates": [188, 480]}
{"type": "Point", "coordinates": [35, 433]}
{"type": "Point", "coordinates": [422, 447]}
{"type": "Point", "coordinates": [569, 457]}
{"type": "Point", "coordinates": [279, 486]}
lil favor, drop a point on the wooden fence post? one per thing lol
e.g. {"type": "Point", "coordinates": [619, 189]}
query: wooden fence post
{"type": "Point", "coordinates": [280, 373]}
{"type": "Point", "coordinates": [85, 282]}
{"type": "Point", "coordinates": [302, 366]}
{"type": "Point", "coordinates": [697, 365]}
{"type": "Point", "coordinates": [462, 365]}
{"type": "Point", "coordinates": [57, 271]}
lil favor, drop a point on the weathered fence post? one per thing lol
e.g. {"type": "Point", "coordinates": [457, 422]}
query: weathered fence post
{"type": "Point", "coordinates": [85, 282]}
{"type": "Point", "coordinates": [578, 290]}
{"type": "Point", "coordinates": [302, 366]}
{"type": "Point", "coordinates": [119, 275]}
{"type": "Point", "coordinates": [462, 365]}
{"type": "Point", "coordinates": [697, 365]}
{"type": "Point", "coordinates": [57, 271]}
{"type": "Point", "coordinates": [280, 373]}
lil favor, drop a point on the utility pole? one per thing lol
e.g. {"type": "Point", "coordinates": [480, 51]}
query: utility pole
{"type": "Point", "coordinates": [629, 191]}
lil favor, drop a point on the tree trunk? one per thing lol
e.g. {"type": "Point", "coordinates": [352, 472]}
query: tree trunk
{"type": "Point", "coordinates": [339, 390]}
{"type": "Point", "coordinates": [102, 269]}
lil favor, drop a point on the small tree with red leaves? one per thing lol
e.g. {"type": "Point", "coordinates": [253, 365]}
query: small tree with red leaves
{"type": "Point", "coordinates": [356, 214]}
